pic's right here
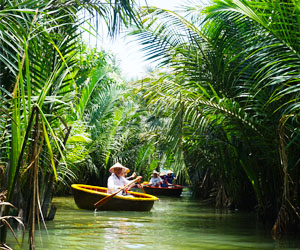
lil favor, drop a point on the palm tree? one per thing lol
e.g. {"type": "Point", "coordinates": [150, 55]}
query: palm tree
{"type": "Point", "coordinates": [274, 57]}
{"type": "Point", "coordinates": [38, 58]}
{"type": "Point", "coordinates": [120, 131]}
{"type": "Point", "coordinates": [231, 81]}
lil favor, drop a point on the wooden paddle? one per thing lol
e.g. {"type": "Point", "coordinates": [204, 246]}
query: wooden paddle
{"type": "Point", "coordinates": [107, 198]}
{"type": "Point", "coordinates": [141, 185]}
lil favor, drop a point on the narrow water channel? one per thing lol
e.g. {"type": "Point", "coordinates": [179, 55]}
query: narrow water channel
{"type": "Point", "coordinates": [173, 223]}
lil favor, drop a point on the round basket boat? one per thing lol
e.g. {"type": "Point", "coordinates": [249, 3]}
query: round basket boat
{"type": "Point", "coordinates": [86, 196]}
{"type": "Point", "coordinates": [174, 190]}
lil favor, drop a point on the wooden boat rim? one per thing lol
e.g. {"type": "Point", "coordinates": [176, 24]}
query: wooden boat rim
{"type": "Point", "coordinates": [86, 188]}
{"type": "Point", "coordinates": [174, 187]}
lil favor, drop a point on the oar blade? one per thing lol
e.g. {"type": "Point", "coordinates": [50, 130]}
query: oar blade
{"type": "Point", "coordinates": [103, 201]}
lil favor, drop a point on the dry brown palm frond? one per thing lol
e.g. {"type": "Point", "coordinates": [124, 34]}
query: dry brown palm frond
{"type": "Point", "coordinates": [5, 247]}
{"type": "Point", "coordinates": [288, 217]}
{"type": "Point", "coordinates": [3, 195]}
{"type": "Point", "coordinates": [287, 220]}
{"type": "Point", "coordinates": [222, 199]}
{"type": "Point", "coordinates": [4, 221]}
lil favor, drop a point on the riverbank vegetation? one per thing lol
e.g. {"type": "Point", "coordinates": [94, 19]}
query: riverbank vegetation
{"type": "Point", "coordinates": [47, 79]}
{"type": "Point", "coordinates": [231, 81]}
{"type": "Point", "coordinates": [221, 110]}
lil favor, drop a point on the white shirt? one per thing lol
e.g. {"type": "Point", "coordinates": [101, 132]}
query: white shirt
{"type": "Point", "coordinates": [155, 181]}
{"type": "Point", "coordinates": [113, 183]}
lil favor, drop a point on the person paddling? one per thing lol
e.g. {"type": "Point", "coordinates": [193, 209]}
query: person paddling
{"type": "Point", "coordinates": [117, 179]}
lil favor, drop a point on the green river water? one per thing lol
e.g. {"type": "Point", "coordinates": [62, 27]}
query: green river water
{"type": "Point", "coordinates": [173, 223]}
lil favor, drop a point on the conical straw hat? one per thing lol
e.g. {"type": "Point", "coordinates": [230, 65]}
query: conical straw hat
{"type": "Point", "coordinates": [117, 165]}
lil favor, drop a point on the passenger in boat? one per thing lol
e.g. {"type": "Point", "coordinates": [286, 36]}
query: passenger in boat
{"type": "Point", "coordinates": [164, 183]}
{"type": "Point", "coordinates": [155, 181]}
{"type": "Point", "coordinates": [117, 180]}
{"type": "Point", "coordinates": [170, 177]}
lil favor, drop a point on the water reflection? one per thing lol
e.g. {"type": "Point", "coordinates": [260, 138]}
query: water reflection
{"type": "Point", "coordinates": [119, 233]}
{"type": "Point", "coordinates": [173, 223]}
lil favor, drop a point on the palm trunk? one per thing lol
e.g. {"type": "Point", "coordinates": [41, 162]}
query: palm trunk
{"type": "Point", "coordinates": [47, 194]}
{"type": "Point", "coordinates": [288, 218]}
{"type": "Point", "coordinates": [49, 188]}
{"type": "Point", "coordinates": [34, 185]}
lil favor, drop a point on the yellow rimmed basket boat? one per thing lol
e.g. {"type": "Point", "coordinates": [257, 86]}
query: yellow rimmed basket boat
{"type": "Point", "coordinates": [86, 196]}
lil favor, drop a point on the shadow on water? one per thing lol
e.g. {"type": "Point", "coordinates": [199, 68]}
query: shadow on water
{"type": "Point", "coordinates": [173, 223]}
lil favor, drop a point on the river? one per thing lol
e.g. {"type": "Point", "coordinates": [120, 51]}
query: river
{"type": "Point", "coordinates": [174, 223]}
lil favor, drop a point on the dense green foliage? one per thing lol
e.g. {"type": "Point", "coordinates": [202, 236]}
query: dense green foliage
{"type": "Point", "coordinates": [222, 110]}
{"type": "Point", "coordinates": [43, 96]}
{"type": "Point", "coordinates": [230, 84]}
